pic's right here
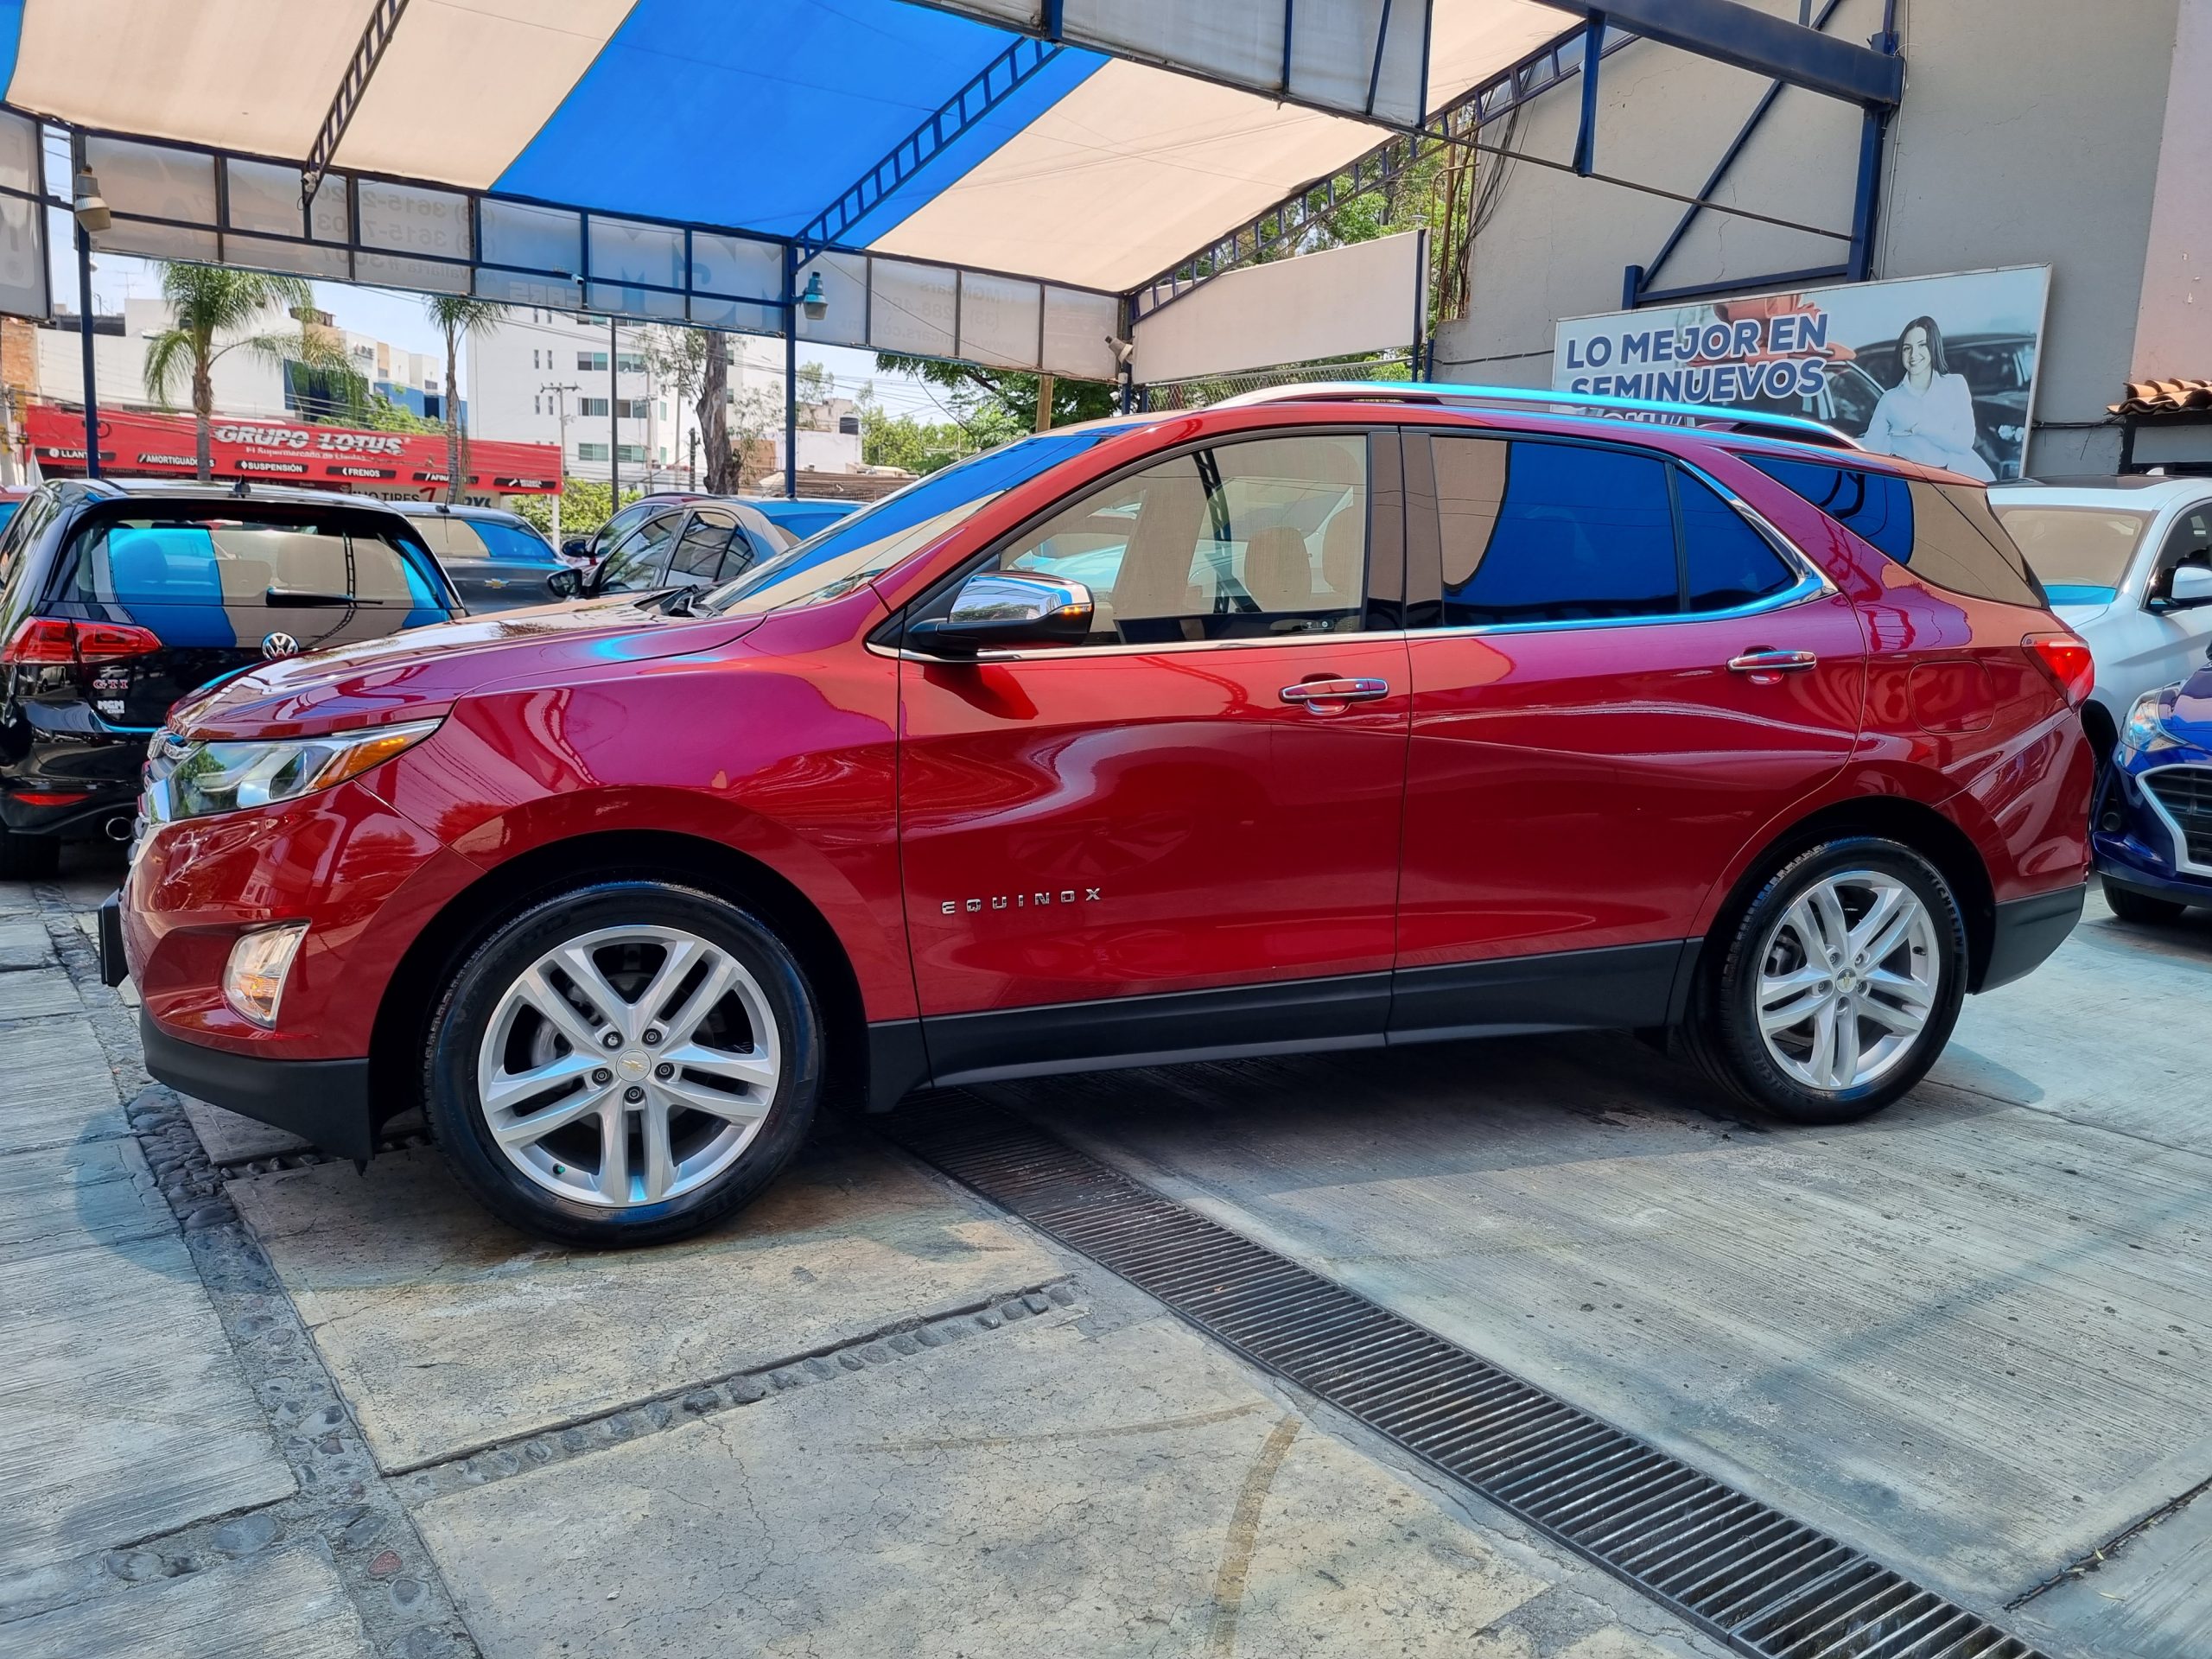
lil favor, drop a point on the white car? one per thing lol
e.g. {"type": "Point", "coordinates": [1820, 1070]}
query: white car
{"type": "Point", "coordinates": [2128, 562]}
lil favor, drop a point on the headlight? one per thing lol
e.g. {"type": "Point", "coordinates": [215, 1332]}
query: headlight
{"type": "Point", "coordinates": [2145, 731]}
{"type": "Point", "coordinates": [206, 777]}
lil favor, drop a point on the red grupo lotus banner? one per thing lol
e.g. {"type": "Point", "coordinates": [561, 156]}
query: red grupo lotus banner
{"type": "Point", "coordinates": [392, 464]}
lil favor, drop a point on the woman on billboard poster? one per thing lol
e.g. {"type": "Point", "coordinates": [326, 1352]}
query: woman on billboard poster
{"type": "Point", "coordinates": [1927, 416]}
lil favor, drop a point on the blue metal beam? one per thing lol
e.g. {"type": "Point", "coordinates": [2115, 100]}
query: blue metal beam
{"type": "Point", "coordinates": [1730, 32]}
{"type": "Point", "coordinates": [997, 81]}
{"type": "Point", "coordinates": [1658, 261]}
{"type": "Point", "coordinates": [1283, 225]}
{"type": "Point", "coordinates": [1585, 135]}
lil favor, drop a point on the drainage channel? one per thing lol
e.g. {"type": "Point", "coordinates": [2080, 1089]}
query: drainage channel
{"type": "Point", "coordinates": [1767, 1585]}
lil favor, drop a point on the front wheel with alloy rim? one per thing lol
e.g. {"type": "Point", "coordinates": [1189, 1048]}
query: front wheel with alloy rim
{"type": "Point", "coordinates": [625, 1063]}
{"type": "Point", "coordinates": [1837, 987]}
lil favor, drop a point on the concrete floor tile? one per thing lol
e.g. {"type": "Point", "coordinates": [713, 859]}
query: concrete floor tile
{"type": "Point", "coordinates": [34, 993]}
{"type": "Point", "coordinates": [63, 1198]}
{"type": "Point", "coordinates": [55, 1085]}
{"type": "Point", "coordinates": [126, 1412]}
{"type": "Point", "coordinates": [1965, 1335]}
{"type": "Point", "coordinates": [23, 944]}
{"type": "Point", "coordinates": [1073, 1484]}
{"type": "Point", "coordinates": [288, 1604]}
{"type": "Point", "coordinates": [447, 1331]}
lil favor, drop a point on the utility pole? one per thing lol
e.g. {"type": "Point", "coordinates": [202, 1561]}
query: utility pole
{"type": "Point", "coordinates": [691, 467]}
{"type": "Point", "coordinates": [560, 462]}
{"type": "Point", "coordinates": [613, 423]}
{"type": "Point", "coordinates": [1044, 402]}
{"type": "Point", "coordinates": [85, 327]}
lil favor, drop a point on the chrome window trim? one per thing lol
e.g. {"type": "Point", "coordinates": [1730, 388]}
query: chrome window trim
{"type": "Point", "coordinates": [1243, 643]}
{"type": "Point", "coordinates": [2182, 861]}
{"type": "Point", "coordinates": [1812, 582]}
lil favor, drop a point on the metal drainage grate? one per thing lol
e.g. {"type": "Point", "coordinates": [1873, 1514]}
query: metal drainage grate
{"type": "Point", "coordinates": [1766, 1584]}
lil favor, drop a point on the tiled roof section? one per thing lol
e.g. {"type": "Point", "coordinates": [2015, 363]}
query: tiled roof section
{"type": "Point", "coordinates": [2165, 397]}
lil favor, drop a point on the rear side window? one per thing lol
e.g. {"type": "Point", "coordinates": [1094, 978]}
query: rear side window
{"type": "Point", "coordinates": [1534, 531]}
{"type": "Point", "coordinates": [150, 561]}
{"type": "Point", "coordinates": [1945, 533]}
{"type": "Point", "coordinates": [505, 541]}
{"type": "Point", "coordinates": [1552, 532]}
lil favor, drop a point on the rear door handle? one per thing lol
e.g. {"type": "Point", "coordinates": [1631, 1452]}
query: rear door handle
{"type": "Point", "coordinates": [1358, 690]}
{"type": "Point", "coordinates": [1766, 660]}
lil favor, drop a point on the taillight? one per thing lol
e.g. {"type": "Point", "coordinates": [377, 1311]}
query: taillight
{"type": "Point", "coordinates": [103, 642]}
{"type": "Point", "coordinates": [2066, 660]}
{"type": "Point", "coordinates": [41, 639]}
{"type": "Point", "coordinates": [56, 639]}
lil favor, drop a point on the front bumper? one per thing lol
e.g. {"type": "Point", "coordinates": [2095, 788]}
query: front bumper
{"type": "Point", "coordinates": [324, 1101]}
{"type": "Point", "coordinates": [2136, 846]}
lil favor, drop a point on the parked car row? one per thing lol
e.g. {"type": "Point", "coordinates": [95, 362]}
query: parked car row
{"type": "Point", "coordinates": [1327, 718]}
{"type": "Point", "coordinates": [116, 598]}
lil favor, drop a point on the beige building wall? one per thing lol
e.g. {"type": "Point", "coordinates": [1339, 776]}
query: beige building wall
{"type": "Point", "coordinates": [2029, 133]}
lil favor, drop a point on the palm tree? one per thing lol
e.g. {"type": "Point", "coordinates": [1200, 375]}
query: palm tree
{"type": "Point", "coordinates": [457, 316]}
{"type": "Point", "coordinates": [211, 307]}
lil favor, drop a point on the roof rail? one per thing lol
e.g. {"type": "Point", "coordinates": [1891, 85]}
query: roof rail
{"type": "Point", "coordinates": [1751, 422]}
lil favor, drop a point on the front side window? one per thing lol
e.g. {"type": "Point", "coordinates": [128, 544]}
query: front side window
{"type": "Point", "coordinates": [1552, 532]}
{"type": "Point", "coordinates": [699, 553]}
{"type": "Point", "coordinates": [639, 560]}
{"type": "Point", "coordinates": [1264, 536]}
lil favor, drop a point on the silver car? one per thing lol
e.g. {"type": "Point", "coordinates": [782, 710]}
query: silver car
{"type": "Point", "coordinates": [2128, 562]}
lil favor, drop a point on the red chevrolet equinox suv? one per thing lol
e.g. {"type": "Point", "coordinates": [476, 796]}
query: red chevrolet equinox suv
{"type": "Point", "coordinates": [1332, 718]}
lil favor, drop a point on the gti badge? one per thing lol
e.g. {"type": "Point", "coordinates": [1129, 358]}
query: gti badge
{"type": "Point", "coordinates": [1023, 901]}
{"type": "Point", "coordinates": [274, 645]}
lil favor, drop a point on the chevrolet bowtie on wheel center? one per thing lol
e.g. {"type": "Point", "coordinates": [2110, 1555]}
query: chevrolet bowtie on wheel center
{"type": "Point", "coordinates": [1332, 717]}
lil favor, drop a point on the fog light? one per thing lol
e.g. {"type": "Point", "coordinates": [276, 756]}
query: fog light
{"type": "Point", "coordinates": [253, 981]}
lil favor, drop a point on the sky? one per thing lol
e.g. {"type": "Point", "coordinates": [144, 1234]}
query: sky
{"type": "Point", "coordinates": [399, 319]}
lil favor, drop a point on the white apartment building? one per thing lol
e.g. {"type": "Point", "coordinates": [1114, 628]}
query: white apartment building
{"type": "Point", "coordinates": [552, 377]}
{"type": "Point", "coordinates": [245, 381]}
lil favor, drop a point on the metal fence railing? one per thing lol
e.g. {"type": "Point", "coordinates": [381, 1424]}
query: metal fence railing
{"type": "Point", "coordinates": [1167, 396]}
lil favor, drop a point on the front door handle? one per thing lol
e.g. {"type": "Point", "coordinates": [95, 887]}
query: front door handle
{"type": "Point", "coordinates": [1766, 660]}
{"type": "Point", "coordinates": [1310, 692]}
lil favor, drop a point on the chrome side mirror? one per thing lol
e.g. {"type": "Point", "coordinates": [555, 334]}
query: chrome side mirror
{"type": "Point", "coordinates": [999, 610]}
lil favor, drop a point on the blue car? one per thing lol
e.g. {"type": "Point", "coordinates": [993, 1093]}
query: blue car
{"type": "Point", "coordinates": [2153, 834]}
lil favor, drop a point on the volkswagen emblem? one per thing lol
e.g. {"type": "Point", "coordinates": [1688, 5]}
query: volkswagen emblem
{"type": "Point", "coordinates": [274, 645]}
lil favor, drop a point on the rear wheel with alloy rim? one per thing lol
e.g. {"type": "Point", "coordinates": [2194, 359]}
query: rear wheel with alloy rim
{"type": "Point", "coordinates": [624, 1064]}
{"type": "Point", "coordinates": [1839, 985]}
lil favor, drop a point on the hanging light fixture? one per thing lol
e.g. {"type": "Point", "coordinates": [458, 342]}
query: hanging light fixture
{"type": "Point", "coordinates": [89, 207]}
{"type": "Point", "coordinates": [814, 302]}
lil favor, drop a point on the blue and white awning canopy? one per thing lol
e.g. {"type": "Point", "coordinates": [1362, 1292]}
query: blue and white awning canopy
{"type": "Point", "coordinates": [970, 187]}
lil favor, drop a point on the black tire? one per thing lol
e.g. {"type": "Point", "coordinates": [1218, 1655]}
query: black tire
{"type": "Point", "coordinates": [2132, 906]}
{"type": "Point", "coordinates": [1722, 1034]}
{"type": "Point", "coordinates": [29, 858]}
{"type": "Point", "coordinates": [471, 997]}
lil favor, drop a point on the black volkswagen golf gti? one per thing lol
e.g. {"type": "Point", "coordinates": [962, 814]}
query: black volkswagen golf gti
{"type": "Point", "coordinates": [118, 597]}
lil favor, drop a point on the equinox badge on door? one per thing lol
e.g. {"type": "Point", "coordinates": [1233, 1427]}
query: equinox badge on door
{"type": "Point", "coordinates": [1023, 901]}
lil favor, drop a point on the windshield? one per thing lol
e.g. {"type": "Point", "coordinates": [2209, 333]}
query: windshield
{"type": "Point", "coordinates": [2075, 547]}
{"type": "Point", "coordinates": [857, 549]}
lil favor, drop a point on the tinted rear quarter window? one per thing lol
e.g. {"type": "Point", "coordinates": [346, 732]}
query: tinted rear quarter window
{"type": "Point", "coordinates": [1728, 563]}
{"type": "Point", "coordinates": [1946, 534]}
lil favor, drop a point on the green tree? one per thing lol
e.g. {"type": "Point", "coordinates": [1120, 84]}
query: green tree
{"type": "Point", "coordinates": [908, 442]}
{"type": "Point", "coordinates": [996, 404]}
{"type": "Point", "coordinates": [458, 317]}
{"type": "Point", "coordinates": [585, 505]}
{"type": "Point", "coordinates": [213, 307]}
